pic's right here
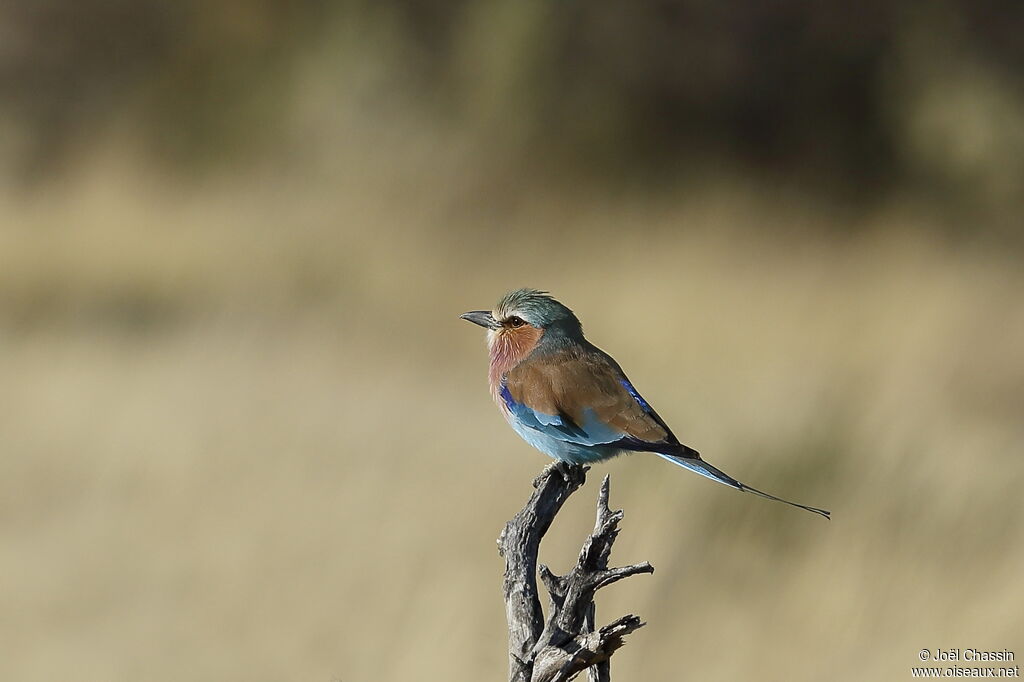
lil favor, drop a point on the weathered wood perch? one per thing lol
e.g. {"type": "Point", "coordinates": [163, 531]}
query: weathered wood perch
{"type": "Point", "coordinates": [566, 643]}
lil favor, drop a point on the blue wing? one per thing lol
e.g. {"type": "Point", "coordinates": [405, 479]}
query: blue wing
{"type": "Point", "coordinates": [588, 431]}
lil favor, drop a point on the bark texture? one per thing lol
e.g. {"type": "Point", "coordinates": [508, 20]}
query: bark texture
{"type": "Point", "coordinates": [566, 642]}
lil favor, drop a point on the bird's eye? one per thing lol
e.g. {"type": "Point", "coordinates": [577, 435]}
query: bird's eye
{"type": "Point", "coordinates": [516, 321]}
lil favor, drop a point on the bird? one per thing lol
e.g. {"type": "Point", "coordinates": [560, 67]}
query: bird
{"type": "Point", "coordinates": [568, 398]}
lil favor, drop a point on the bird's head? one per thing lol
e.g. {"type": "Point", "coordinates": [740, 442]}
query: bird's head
{"type": "Point", "coordinates": [522, 318]}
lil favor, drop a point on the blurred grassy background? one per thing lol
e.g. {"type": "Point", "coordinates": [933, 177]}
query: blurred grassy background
{"type": "Point", "coordinates": [245, 436]}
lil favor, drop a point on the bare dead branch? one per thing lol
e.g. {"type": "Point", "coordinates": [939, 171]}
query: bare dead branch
{"type": "Point", "coordinates": [565, 643]}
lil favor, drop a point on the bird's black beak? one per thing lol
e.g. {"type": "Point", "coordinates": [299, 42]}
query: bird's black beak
{"type": "Point", "coordinates": [482, 318]}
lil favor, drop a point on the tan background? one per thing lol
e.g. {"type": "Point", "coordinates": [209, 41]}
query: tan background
{"type": "Point", "coordinates": [245, 436]}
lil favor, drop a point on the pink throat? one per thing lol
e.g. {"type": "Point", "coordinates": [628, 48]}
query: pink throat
{"type": "Point", "coordinates": [506, 350]}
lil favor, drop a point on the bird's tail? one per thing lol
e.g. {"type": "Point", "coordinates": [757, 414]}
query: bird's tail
{"type": "Point", "coordinates": [689, 459]}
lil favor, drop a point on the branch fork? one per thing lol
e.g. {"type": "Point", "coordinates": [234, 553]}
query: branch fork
{"type": "Point", "coordinates": [566, 643]}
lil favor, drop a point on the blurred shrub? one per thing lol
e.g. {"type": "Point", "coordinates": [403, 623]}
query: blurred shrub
{"type": "Point", "coordinates": [858, 97]}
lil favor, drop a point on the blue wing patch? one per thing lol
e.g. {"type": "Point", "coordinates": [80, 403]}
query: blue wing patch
{"type": "Point", "coordinates": [634, 444]}
{"type": "Point", "coordinates": [636, 396]}
{"type": "Point", "coordinates": [560, 426]}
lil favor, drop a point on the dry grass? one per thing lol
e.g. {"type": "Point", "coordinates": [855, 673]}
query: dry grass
{"type": "Point", "coordinates": [245, 436]}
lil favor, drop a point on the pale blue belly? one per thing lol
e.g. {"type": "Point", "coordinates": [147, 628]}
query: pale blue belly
{"type": "Point", "coordinates": [562, 450]}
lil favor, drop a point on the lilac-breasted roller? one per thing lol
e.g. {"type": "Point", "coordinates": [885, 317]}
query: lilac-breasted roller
{"type": "Point", "coordinates": [568, 398]}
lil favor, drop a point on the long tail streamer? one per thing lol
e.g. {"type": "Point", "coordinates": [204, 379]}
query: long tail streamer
{"type": "Point", "coordinates": [699, 466]}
